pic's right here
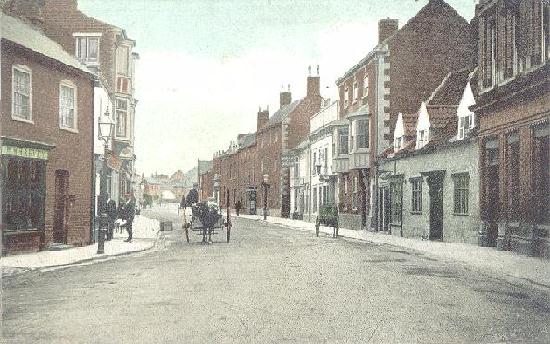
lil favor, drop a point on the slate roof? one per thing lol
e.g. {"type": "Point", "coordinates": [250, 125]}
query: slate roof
{"type": "Point", "coordinates": [247, 140]}
{"type": "Point", "coordinates": [19, 32]}
{"type": "Point", "coordinates": [282, 113]}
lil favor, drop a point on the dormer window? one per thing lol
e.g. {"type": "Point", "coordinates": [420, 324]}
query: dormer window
{"type": "Point", "coordinates": [398, 143]}
{"type": "Point", "coordinates": [465, 116]}
{"type": "Point", "coordinates": [423, 127]}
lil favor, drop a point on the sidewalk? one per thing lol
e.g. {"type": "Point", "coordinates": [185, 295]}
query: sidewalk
{"type": "Point", "coordinates": [510, 264]}
{"type": "Point", "coordinates": [145, 232]}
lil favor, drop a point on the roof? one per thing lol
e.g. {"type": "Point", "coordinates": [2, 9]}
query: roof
{"type": "Point", "coordinates": [247, 140]}
{"type": "Point", "coordinates": [282, 113]}
{"type": "Point", "coordinates": [19, 32]}
{"type": "Point", "coordinates": [450, 91]}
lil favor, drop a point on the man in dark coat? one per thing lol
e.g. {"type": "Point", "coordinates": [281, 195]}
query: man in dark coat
{"type": "Point", "coordinates": [238, 207]}
{"type": "Point", "coordinates": [111, 217]}
{"type": "Point", "coordinates": [128, 213]}
{"type": "Point", "coordinates": [192, 196]}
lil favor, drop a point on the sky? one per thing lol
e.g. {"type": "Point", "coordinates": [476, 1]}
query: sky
{"type": "Point", "coordinates": [206, 66]}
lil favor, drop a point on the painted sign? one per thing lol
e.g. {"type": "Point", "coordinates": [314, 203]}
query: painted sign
{"type": "Point", "coordinates": [30, 153]}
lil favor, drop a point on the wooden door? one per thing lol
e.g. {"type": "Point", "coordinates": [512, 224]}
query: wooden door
{"type": "Point", "coordinates": [61, 206]}
{"type": "Point", "coordinates": [436, 207]}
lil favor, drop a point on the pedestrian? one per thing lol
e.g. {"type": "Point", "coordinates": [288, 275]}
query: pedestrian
{"type": "Point", "coordinates": [128, 214]}
{"type": "Point", "coordinates": [112, 213]}
{"type": "Point", "coordinates": [193, 195]}
{"type": "Point", "coordinates": [238, 207]}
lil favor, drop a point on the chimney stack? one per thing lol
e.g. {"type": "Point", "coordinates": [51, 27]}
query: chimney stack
{"type": "Point", "coordinates": [31, 10]}
{"type": "Point", "coordinates": [313, 84]}
{"type": "Point", "coordinates": [386, 28]}
{"type": "Point", "coordinates": [263, 117]}
{"type": "Point", "coordinates": [285, 97]}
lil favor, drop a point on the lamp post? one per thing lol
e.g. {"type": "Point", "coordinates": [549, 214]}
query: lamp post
{"type": "Point", "coordinates": [265, 185]}
{"type": "Point", "coordinates": [105, 125]}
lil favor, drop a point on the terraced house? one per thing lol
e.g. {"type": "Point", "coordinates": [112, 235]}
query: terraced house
{"type": "Point", "coordinates": [401, 71]}
{"type": "Point", "coordinates": [47, 141]}
{"type": "Point", "coordinates": [513, 111]}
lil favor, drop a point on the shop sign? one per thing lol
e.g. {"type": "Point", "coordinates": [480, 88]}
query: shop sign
{"type": "Point", "coordinates": [29, 153]}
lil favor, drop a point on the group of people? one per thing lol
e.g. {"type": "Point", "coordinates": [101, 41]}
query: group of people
{"type": "Point", "coordinates": [110, 214]}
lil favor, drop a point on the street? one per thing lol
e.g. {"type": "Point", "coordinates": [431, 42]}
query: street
{"type": "Point", "coordinates": [271, 284]}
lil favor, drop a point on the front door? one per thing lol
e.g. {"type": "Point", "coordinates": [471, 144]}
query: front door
{"type": "Point", "coordinates": [61, 206]}
{"type": "Point", "coordinates": [435, 183]}
{"type": "Point", "coordinates": [384, 211]}
{"type": "Point", "coordinates": [493, 203]}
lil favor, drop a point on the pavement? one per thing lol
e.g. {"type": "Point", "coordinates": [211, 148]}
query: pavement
{"type": "Point", "coordinates": [271, 284]}
{"type": "Point", "coordinates": [145, 235]}
{"type": "Point", "coordinates": [514, 266]}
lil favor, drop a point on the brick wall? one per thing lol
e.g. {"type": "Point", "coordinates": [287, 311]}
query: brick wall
{"type": "Point", "coordinates": [73, 151]}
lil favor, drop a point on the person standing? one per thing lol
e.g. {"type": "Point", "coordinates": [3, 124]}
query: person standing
{"type": "Point", "coordinates": [112, 213]}
{"type": "Point", "coordinates": [238, 207]}
{"type": "Point", "coordinates": [128, 214]}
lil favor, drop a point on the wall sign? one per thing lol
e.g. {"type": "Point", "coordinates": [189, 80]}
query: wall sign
{"type": "Point", "coordinates": [30, 153]}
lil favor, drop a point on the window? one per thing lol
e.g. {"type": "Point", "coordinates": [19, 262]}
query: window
{"type": "Point", "coordinates": [355, 195]}
{"type": "Point", "coordinates": [512, 174]}
{"type": "Point", "coordinates": [325, 164]}
{"type": "Point", "coordinates": [355, 91]}
{"type": "Point", "coordinates": [345, 184]}
{"type": "Point", "coordinates": [546, 30]}
{"type": "Point", "coordinates": [87, 49]}
{"type": "Point", "coordinates": [23, 192]}
{"type": "Point", "coordinates": [21, 93]}
{"type": "Point", "coordinates": [362, 134]}
{"type": "Point", "coordinates": [416, 201]}
{"type": "Point", "coordinates": [346, 97]}
{"type": "Point", "coordinates": [396, 195]}
{"type": "Point", "coordinates": [422, 138]}
{"type": "Point", "coordinates": [343, 144]}
{"type": "Point", "coordinates": [488, 44]}
{"type": "Point", "coordinates": [465, 124]}
{"type": "Point", "coordinates": [366, 86]}
{"type": "Point", "coordinates": [541, 173]}
{"type": "Point", "coordinates": [398, 143]}
{"type": "Point", "coordinates": [122, 60]}
{"type": "Point", "coordinates": [315, 200]}
{"type": "Point", "coordinates": [121, 117]}
{"type": "Point", "coordinates": [67, 105]}
{"type": "Point", "coordinates": [296, 169]}
{"type": "Point", "coordinates": [314, 172]}
{"type": "Point", "coordinates": [461, 193]}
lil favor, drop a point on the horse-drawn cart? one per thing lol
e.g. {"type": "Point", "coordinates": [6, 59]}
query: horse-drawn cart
{"type": "Point", "coordinates": [207, 220]}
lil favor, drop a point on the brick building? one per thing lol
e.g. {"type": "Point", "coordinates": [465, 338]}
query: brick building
{"type": "Point", "coordinates": [513, 111]}
{"type": "Point", "coordinates": [107, 51]}
{"type": "Point", "coordinates": [400, 72]}
{"type": "Point", "coordinates": [47, 141]}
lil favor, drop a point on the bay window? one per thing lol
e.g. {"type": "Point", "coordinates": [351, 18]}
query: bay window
{"type": "Point", "coordinates": [121, 117]}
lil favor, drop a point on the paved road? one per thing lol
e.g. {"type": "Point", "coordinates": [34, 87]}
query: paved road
{"type": "Point", "coordinates": [271, 285]}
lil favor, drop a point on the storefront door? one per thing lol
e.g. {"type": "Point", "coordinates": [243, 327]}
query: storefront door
{"type": "Point", "coordinates": [61, 206]}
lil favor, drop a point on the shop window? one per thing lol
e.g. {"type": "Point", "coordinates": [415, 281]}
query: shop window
{"type": "Point", "coordinates": [461, 193]}
{"type": "Point", "coordinates": [416, 199]}
{"type": "Point", "coordinates": [23, 190]}
{"type": "Point", "coordinates": [541, 174]}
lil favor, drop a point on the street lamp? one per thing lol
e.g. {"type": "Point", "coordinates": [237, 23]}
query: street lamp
{"type": "Point", "coordinates": [105, 125]}
{"type": "Point", "coordinates": [265, 185]}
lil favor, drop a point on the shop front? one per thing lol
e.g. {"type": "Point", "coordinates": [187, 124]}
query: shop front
{"type": "Point", "coordinates": [23, 166]}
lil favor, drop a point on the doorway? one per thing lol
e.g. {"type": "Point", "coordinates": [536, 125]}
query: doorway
{"type": "Point", "coordinates": [61, 204]}
{"type": "Point", "coordinates": [435, 183]}
{"type": "Point", "coordinates": [384, 210]}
